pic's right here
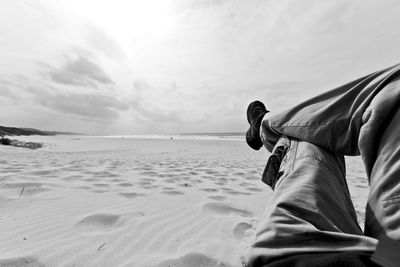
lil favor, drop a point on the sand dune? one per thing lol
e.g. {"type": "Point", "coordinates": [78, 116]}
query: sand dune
{"type": "Point", "coordinates": [129, 202]}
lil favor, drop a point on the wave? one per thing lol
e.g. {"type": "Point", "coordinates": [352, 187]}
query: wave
{"type": "Point", "coordinates": [185, 136]}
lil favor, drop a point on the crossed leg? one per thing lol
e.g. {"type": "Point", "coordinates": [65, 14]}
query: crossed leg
{"type": "Point", "coordinates": [310, 211]}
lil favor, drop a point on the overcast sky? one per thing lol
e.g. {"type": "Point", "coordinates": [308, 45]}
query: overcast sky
{"type": "Point", "coordinates": [170, 66]}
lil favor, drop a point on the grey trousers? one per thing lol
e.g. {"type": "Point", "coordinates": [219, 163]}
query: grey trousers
{"type": "Point", "coordinates": [311, 210]}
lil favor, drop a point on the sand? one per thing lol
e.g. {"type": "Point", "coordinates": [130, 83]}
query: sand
{"type": "Point", "coordinates": [93, 201]}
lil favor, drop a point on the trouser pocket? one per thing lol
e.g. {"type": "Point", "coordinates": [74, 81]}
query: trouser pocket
{"type": "Point", "coordinates": [272, 171]}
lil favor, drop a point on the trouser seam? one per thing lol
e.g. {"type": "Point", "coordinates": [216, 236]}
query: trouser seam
{"type": "Point", "coordinates": [317, 124]}
{"type": "Point", "coordinates": [294, 145]}
{"type": "Point", "coordinates": [390, 201]}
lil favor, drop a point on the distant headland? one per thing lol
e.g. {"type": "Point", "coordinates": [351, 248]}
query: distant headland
{"type": "Point", "coordinates": [10, 131]}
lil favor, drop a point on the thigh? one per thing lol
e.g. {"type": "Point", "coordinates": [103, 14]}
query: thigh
{"type": "Point", "coordinates": [333, 119]}
{"type": "Point", "coordinates": [383, 209]}
{"type": "Point", "coordinates": [311, 209]}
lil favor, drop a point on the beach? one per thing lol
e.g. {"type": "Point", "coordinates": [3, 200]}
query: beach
{"type": "Point", "coordinates": [136, 201]}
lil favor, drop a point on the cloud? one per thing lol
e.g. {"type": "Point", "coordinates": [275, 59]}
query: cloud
{"type": "Point", "coordinates": [104, 43]}
{"type": "Point", "coordinates": [200, 4]}
{"type": "Point", "coordinates": [88, 106]}
{"type": "Point", "coordinates": [152, 111]}
{"type": "Point", "coordinates": [81, 71]}
{"type": "Point", "coordinates": [4, 88]}
{"type": "Point", "coordinates": [4, 92]}
{"type": "Point", "coordinates": [199, 72]}
{"type": "Point", "coordinates": [139, 86]}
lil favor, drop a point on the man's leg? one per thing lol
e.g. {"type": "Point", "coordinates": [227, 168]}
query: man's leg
{"type": "Point", "coordinates": [379, 144]}
{"type": "Point", "coordinates": [310, 211]}
{"type": "Point", "coordinates": [364, 120]}
{"type": "Point", "coordinates": [361, 117]}
{"type": "Point", "coordinates": [332, 120]}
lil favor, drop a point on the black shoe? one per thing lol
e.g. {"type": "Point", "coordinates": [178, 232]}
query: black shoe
{"type": "Point", "coordinates": [255, 114]}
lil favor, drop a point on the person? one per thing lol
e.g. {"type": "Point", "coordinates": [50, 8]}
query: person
{"type": "Point", "coordinates": [311, 220]}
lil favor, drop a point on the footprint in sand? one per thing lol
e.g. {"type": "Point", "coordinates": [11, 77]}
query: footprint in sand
{"type": "Point", "coordinates": [34, 191]}
{"type": "Point", "coordinates": [73, 177]}
{"type": "Point", "coordinates": [193, 259]}
{"type": "Point", "coordinates": [172, 180]}
{"type": "Point", "coordinates": [237, 193]}
{"type": "Point", "coordinates": [230, 191]}
{"type": "Point", "coordinates": [209, 190]}
{"type": "Point", "coordinates": [239, 232]}
{"type": "Point", "coordinates": [42, 172]}
{"type": "Point", "coordinates": [168, 188]}
{"type": "Point", "coordinates": [222, 209]}
{"type": "Point", "coordinates": [100, 221]}
{"type": "Point", "coordinates": [144, 183]}
{"type": "Point", "coordinates": [106, 174]}
{"type": "Point", "coordinates": [244, 184]}
{"type": "Point", "coordinates": [196, 181]}
{"type": "Point", "coordinates": [256, 171]}
{"type": "Point", "coordinates": [211, 172]}
{"type": "Point", "coordinates": [252, 178]}
{"type": "Point", "coordinates": [83, 187]}
{"type": "Point", "coordinates": [151, 186]}
{"type": "Point", "coordinates": [185, 185]}
{"type": "Point", "coordinates": [125, 184]}
{"type": "Point", "coordinates": [92, 180]}
{"type": "Point", "coordinates": [207, 177]}
{"type": "Point", "coordinates": [218, 198]}
{"type": "Point", "coordinates": [172, 192]}
{"type": "Point", "coordinates": [98, 191]}
{"type": "Point", "coordinates": [21, 185]}
{"type": "Point", "coordinates": [101, 185]}
{"type": "Point", "coordinates": [27, 189]}
{"type": "Point", "coordinates": [169, 175]}
{"type": "Point", "coordinates": [149, 173]}
{"type": "Point", "coordinates": [131, 195]}
{"type": "Point", "coordinates": [146, 168]}
{"type": "Point", "coordinates": [254, 189]}
{"type": "Point", "coordinates": [21, 261]}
